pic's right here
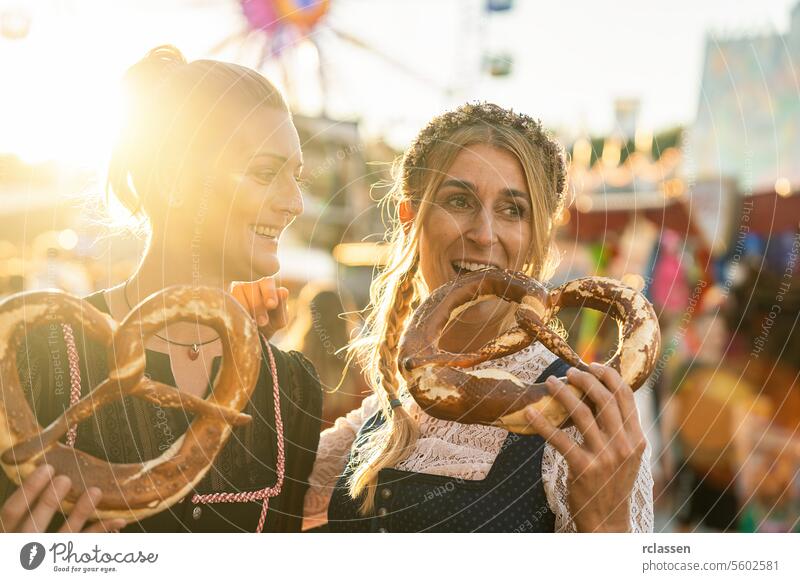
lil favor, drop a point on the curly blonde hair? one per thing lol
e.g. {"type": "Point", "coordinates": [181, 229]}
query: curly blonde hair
{"type": "Point", "coordinates": [399, 286]}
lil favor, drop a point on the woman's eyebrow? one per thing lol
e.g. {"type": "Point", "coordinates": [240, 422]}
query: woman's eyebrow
{"type": "Point", "coordinates": [278, 158]}
{"type": "Point", "coordinates": [513, 193]}
{"type": "Point", "coordinates": [458, 184]}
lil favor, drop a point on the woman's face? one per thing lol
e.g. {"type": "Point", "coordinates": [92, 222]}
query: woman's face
{"type": "Point", "coordinates": [480, 216]}
{"type": "Point", "coordinates": [255, 197]}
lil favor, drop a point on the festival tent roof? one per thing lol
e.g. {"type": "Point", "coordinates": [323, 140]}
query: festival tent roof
{"type": "Point", "coordinates": [748, 118]}
{"type": "Point", "coordinates": [594, 225]}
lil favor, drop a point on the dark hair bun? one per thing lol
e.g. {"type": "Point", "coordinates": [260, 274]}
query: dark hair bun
{"type": "Point", "coordinates": [152, 70]}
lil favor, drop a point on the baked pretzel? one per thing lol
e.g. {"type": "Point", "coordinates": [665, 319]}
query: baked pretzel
{"type": "Point", "coordinates": [136, 490]}
{"type": "Point", "coordinates": [494, 396]}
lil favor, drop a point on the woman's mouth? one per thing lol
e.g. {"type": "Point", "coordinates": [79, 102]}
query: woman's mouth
{"type": "Point", "coordinates": [463, 267]}
{"type": "Point", "coordinates": [265, 231]}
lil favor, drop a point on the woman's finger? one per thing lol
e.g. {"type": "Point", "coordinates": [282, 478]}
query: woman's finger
{"type": "Point", "coordinates": [622, 393]}
{"type": "Point", "coordinates": [629, 440]}
{"type": "Point", "coordinates": [280, 316]}
{"type": "Point", "coordinates": [560, 440]}
{"type": "Point", "coordinates": [48, 504]}
{"type": "Point", "coordinates": [605, 404]}
{"type": "Point", "coordinates": [83, 509]}
{"type": "Point", "coordinates": [239, 293]}
{"type": "Point", "coordinates": [579, 412]}
{"type": "Point", "coordinates": [268, 300]}
{"type": "Point", "coordinates": [23, 499]}
{"type": "Point", "coordinates": [269, 292]}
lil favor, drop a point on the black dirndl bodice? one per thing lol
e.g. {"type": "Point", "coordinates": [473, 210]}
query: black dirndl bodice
{"type": "Point", "coordinates": [511, 498]}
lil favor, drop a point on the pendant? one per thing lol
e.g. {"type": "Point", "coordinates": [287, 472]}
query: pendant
{"type": "Point", "coordinates": [194, 352]}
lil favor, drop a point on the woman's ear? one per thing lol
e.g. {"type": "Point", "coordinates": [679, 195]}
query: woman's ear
{"type": "Point", "coordinates": [407, 213]}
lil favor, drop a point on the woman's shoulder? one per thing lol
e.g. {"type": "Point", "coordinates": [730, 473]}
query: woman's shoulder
{"type": "Point", "coordinates": [299, 366]}
{"type": "Point", "coordinates": [298, 373]}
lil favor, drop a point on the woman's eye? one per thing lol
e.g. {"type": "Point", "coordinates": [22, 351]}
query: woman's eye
{"type": "Point", "coordinates": [458, 201]}
{"type": "Point", "coordinates": [513, 211]}
{"type": "Point", "coordinates": [264, 177]}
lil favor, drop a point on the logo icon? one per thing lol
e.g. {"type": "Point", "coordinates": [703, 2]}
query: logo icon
{"type": "Point", "coordinates": [31, 555]}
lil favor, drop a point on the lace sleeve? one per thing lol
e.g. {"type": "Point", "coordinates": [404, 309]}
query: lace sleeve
{"type": "Point", "coordinates": [334, 448]}
{"type": "Point", "coordinates": [554, 476]}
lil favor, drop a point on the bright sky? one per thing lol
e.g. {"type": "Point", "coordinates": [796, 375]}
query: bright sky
{"type": "Point", "coordinates": [572, 58]}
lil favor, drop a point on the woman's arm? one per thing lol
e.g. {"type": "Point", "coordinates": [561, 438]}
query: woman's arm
{"type": "Point", "coordinates": [334, 448]}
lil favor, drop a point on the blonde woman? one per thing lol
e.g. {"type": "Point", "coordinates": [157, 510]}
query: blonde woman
{"type": "Point", "coordinates": [480, 186]}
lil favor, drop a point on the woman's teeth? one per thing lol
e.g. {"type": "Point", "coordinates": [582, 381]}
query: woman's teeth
{"type": "Point", "coordinates": [265, 231]}
{"type": "Point", "coordinates": [466, 266]}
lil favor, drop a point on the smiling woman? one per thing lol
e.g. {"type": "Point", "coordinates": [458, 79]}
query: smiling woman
{"type": "Point", "coordinates": [480, 187]}
{"type": "Point", "coordinates": [209, 159]}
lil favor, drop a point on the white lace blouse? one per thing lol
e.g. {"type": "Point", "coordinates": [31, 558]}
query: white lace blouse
{"type": "Point", "coordinates": [465, 451]}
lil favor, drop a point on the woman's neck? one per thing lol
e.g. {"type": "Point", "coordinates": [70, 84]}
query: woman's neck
{"type": "Point", "coordinates": [159, 269]}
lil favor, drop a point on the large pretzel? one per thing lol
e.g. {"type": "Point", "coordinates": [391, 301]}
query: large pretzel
{"type": "Point", "coordinates": [136, 490]}
{"type": "Point", "coordinates": [497, 397]}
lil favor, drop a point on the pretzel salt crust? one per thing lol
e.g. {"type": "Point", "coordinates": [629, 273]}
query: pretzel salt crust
{"type": "Point", "coordinates": [131, 491]}
{"type": "Point", "coordinates": [496, 397]}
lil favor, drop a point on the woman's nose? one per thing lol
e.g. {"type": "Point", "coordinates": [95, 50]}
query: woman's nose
{"type": "Point", "coordinates": [290, 201]}
{"type": "Point", "coordinates": [482, 230]}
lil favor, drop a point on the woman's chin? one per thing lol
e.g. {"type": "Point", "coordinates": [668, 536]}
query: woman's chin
{"type": "Point", "coordinates": [261, 255]}
{"type": "Point", "coordinates": [251, 268]}
{"type": "Point", "coordinates": [265, 266]}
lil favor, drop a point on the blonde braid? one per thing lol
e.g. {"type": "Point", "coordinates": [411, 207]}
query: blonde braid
{"type": "Point", "coordinates": [392, 443]}
{"type": "Point", "coordinates": [394, 329]}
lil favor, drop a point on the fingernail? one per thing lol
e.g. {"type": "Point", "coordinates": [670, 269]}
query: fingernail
{"type": "Point", "coordinates": [47, 470]}
{"type": "Point", "coordinates": [95, 494]}
{"type": "Point", "coordinates": [117, 525]}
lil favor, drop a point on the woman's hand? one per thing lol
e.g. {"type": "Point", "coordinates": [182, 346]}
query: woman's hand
{"type": "Point", "coordinates": [603, 470]}
{"type": "Point", "coordinates": [33, 505]}
{"type": "Point", "coordinates": [265, 301]}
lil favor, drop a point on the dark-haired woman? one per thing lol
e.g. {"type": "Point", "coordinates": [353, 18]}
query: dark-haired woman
{"type": "Point", "coordinates": [210, 157]}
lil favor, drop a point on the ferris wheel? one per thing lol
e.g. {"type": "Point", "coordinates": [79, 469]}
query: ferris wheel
{"type": "Point", "coordinates": [278, 27]}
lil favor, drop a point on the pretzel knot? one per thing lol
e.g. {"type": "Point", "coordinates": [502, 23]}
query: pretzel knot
{"type": "Point", "coordinates": [439, 384]}
{"type": "Point", "coordinates": [131, 491]}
